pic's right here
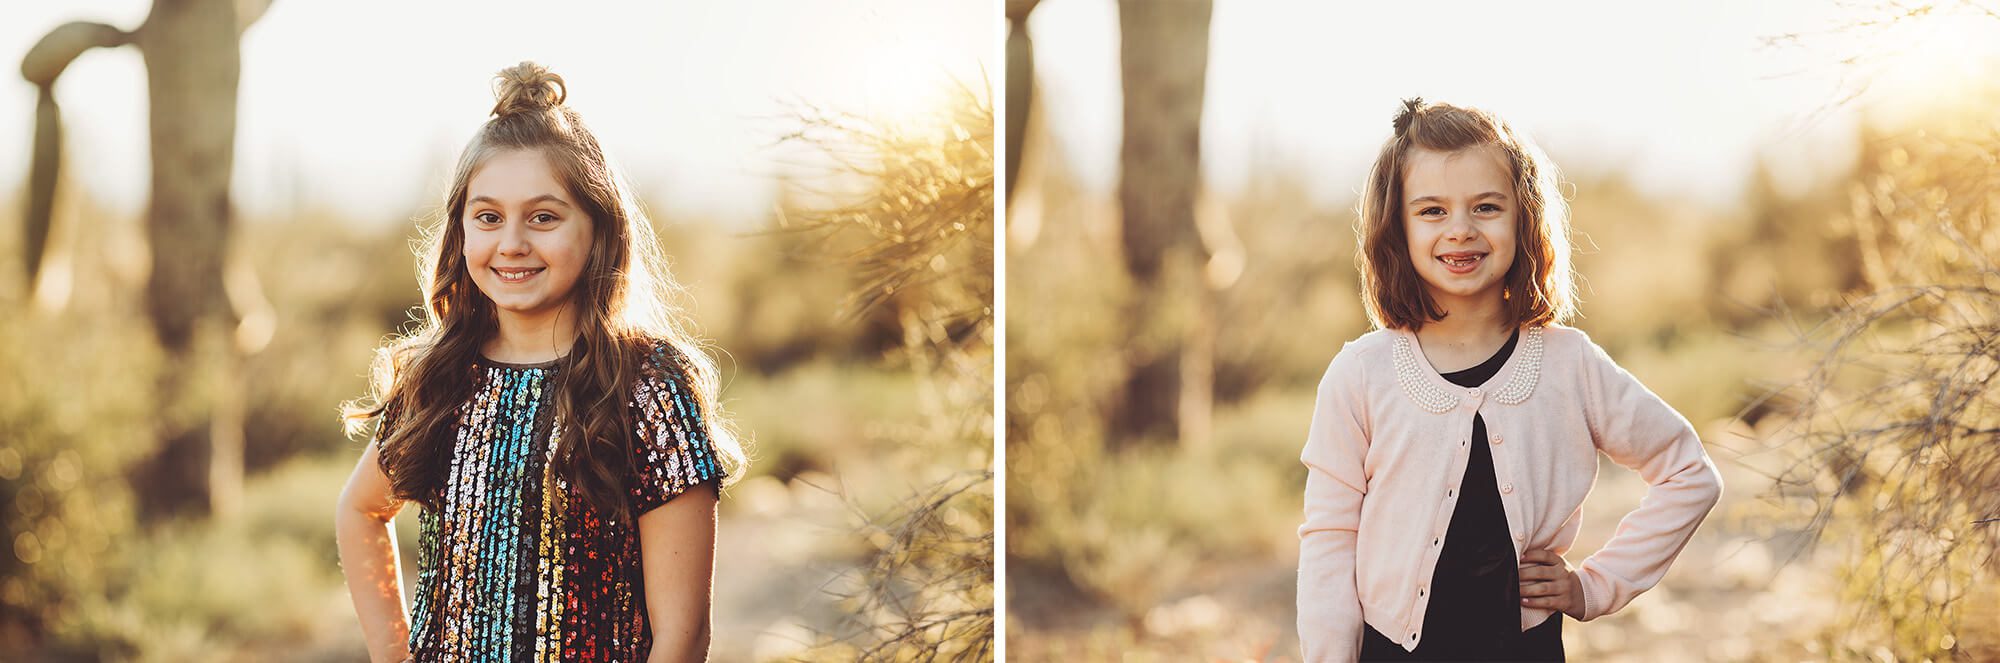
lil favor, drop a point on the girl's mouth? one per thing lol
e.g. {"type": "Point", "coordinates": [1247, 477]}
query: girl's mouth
{"type": "Point", "coordinates": [516, 275]}
{"type": "Point", "coordinates": [1461, 263]}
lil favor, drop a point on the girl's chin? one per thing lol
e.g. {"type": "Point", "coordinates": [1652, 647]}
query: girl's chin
{"type": "Point", "coordinates": [1464, 288]}
{"type": "Point", "coordinates": [520, 305]}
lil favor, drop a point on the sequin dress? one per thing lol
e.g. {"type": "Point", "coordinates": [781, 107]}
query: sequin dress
{"type": "Point", "coordinates": [503, 576]}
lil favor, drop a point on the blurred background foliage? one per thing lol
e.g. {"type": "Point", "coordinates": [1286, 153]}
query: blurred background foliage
{"type": "Point", "coordinates": [1857, 439]}
{"type": "Point", "coordinates": [865, 522]}
{"type": "Point", "coordinates": [919, 240]}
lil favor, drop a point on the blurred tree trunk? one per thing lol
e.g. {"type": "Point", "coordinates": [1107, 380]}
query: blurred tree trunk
{"type": "Point", "coordinates": [1164, 62]}
{"type": "Point", "coordinates": [192, 54]}
{"type": "Point", "coordinates": [193, 59]}
{"type": "Point", "coordinates": [1020, 84]}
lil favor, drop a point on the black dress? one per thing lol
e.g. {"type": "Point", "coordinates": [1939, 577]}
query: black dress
{"type": "Point", "coordinates": [1475, 608]}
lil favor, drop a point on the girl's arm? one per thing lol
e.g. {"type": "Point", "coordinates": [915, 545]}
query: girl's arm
{"type": "Point", "coordinates": [1636, 429]}
{"type": "Point", "coordinates": [1336, 446]}
{"type": "Point", "coordinates": [363, 525]}
{"type": "Point", "coordinates": [677, 547]}
{"type": "Point", "coordinates": [677, 484]}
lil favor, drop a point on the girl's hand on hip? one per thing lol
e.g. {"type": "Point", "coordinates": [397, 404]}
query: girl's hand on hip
{"type": "Point", "coordinates": [1547, 582]}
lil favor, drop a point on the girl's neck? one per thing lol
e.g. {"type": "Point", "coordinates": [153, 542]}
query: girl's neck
{"type": "Point", "coordinates": [528, 339]}
{"type": "Point", "coordinates": [1474, 327]}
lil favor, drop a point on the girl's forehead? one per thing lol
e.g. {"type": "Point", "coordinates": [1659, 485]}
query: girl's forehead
{"type": "Point", "coordinates": [1486, 153]}
{"type": "Point", "coordinates": [515, 174]}
{"type": "Point", "coordinates": [1481, 166]}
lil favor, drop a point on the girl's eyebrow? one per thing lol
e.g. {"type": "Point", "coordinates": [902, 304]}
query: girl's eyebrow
{"type": "Point", "coordinates": [1439, 199]}
{"type": "Point", "coordinates": [550, 197]}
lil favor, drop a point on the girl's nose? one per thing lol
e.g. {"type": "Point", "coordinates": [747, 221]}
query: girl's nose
{"type": "Point", "coordinates": [513, 239]}
{"type": "Point", "coordinates": [1460, 227]}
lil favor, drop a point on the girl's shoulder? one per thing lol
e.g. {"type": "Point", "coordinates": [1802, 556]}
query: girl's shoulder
{"type": "Point", "coordinates": [1562, 333]}
{"type": "Point", "coordinates": [1570, 351]}
{"type": "Point", "coordinates": [652, 352]}
{"type": "Point", "coordinates": [1373, 339]}
{"type": "Point", "coordinates": [1358, 357]}
{"type": "Point", "coordinates": [1566, 343]}
{"type": "Point", "coordinates": [660, 358]}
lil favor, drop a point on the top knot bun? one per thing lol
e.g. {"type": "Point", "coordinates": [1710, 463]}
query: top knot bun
{"type": "Point", "coordinates": [1408, 114]}
{"type": "Point", "coordinates": [527, 88]}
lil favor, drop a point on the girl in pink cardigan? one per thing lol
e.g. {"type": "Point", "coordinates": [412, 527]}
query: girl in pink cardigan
{"type": "Point", "coordinates": [1452, 447]}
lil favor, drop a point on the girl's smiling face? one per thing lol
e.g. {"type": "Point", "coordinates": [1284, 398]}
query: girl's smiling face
{"type": "Point", "coordinates": [1459, 212]}
{"type": "Point", "coordinates": [526, 240]}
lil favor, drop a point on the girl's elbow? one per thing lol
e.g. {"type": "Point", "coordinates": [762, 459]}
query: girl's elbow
{"type": "Point", "coordinates": [349, 512]}
{"type": "Point", "coordinates": [1700, 486]}
{"type": "Point", "coordinates": [691, 646]}
{"type": "Point", "coordinates": [344, 513]}
{"type": "Point", "coordinates": [1712, 486]}
{"type": "Point", "coordinates": [347, 524]}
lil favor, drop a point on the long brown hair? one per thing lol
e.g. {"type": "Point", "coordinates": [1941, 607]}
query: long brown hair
{"type": "Point", "coordinates": [621, 302]}
{"type": "Point", "coordinates": [1539, 288]}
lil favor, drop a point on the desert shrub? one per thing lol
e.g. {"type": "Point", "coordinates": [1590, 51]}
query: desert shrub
{"type": "Point", "coordinates": [1898, 438]}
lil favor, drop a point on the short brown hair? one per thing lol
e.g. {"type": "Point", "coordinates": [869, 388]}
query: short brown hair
{"type": "Point", "coordinates": [1539, 287]}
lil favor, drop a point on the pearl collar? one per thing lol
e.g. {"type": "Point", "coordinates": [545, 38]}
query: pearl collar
{"type": "Point", "coordinates": [1432, 393]}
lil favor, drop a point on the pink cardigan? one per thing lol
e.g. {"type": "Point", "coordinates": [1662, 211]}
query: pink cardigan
{"type": "Point", "coordinates": [1388, 447]}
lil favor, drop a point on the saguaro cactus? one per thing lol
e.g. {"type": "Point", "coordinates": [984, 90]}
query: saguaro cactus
{"type": "Point", "coordinates": [192, 54]}
{"type": "Point", "coordinates": [1020, 84]}
{"type": "Point", "coordinates": [1163, 49]}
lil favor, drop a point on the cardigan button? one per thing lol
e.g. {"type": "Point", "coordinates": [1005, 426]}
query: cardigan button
{"type": "Point", "coordinates": [1473, 392]}
{"type": "Point", "coordinates": [1506, 489]}
{"type": "Point", "coordinates": [1496, 438]}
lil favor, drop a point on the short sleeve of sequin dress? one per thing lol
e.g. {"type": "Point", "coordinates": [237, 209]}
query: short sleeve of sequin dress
{"type": "Point", "coordinates": [674, 452]}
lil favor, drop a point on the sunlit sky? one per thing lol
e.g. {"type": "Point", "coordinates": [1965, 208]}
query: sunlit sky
{"type": "Point", "coordinates": [360, 109]}
{"type": "Point", "coordinates": [353, 108]}
{"type": "Point", "coordinates": [1683, 95]}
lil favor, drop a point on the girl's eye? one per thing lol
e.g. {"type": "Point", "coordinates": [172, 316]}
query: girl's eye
{"type": "Point", "coordinates": [488, 218]}
{"type": "Point", "coordinates": [1431, 211]}
{"type": "Point", "coordinates": [545, 217]}
{"type": "Point", "coordinates": [1487, 208]}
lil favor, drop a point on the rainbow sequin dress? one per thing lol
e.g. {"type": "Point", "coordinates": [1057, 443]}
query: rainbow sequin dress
{"type": "Point", "coordinates": [504, 577]}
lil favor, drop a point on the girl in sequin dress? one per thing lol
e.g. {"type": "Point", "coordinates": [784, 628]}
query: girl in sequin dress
{"type": "Point", "coordinates": [550, 418]}
{"type": "Point", "coordinates": [1452, 447]}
